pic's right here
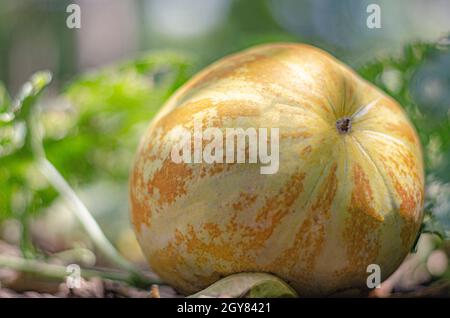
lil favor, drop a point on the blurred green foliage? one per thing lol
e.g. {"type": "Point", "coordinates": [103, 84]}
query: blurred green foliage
{"type": "Point", "coordinates": [91, 130]}
{"type": "Point", "coordinates": [18, 196]}
{"type": "Point", "coordinates": [113, 108]}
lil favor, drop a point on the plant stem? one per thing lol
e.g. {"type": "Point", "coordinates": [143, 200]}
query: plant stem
{"type": "Point", "coordinates": [82, 213]}
{"type": "Point", "coordinates": [59, 271]}
{"type": "Point", "coordinates": [26, 109]}
{"type": "Point", "coordinates": [86, 219]}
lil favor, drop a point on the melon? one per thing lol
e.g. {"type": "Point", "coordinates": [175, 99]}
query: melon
{"type": "Point", "coordinates": [348, 191]}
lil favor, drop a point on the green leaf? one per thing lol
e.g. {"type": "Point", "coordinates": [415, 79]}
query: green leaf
{"type": "Point", "coordinates": [91, 131]}
{"type": "Point", "coordinates": [248, 285]}
{"type": "Point", "coordinates": [30, 92]}
{"type": "Point", "coordinates": [13, 131]}
{"type": "Point", "coordinates": [437, 209]}
{"type": "Point", "coordinates": [5, 100]}
{"type": "Point", "coordinates": [433, 226]}
{"type": "Point", "coordinates": [5, 104]}
{"type": "Point", "coordinates": [112, 106]}
{"type": "Point", "coordinates": [19, 195]}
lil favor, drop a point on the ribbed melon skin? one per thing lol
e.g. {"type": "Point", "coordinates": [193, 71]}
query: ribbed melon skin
{"type": "Point", "coordinates": [339, 201]}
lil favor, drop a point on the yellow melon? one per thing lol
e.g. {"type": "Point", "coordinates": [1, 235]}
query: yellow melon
{"type": "Point", "coordinates": [348, 191]}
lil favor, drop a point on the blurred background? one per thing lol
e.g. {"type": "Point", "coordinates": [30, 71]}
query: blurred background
{"type": "Point", "coordinates": [111, 75]}
{"type": "Point", "coordinates": [33, 33]}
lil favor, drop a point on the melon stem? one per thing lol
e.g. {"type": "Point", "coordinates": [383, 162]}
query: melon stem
{"type": "Point", "coordinates": [344, 125]}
